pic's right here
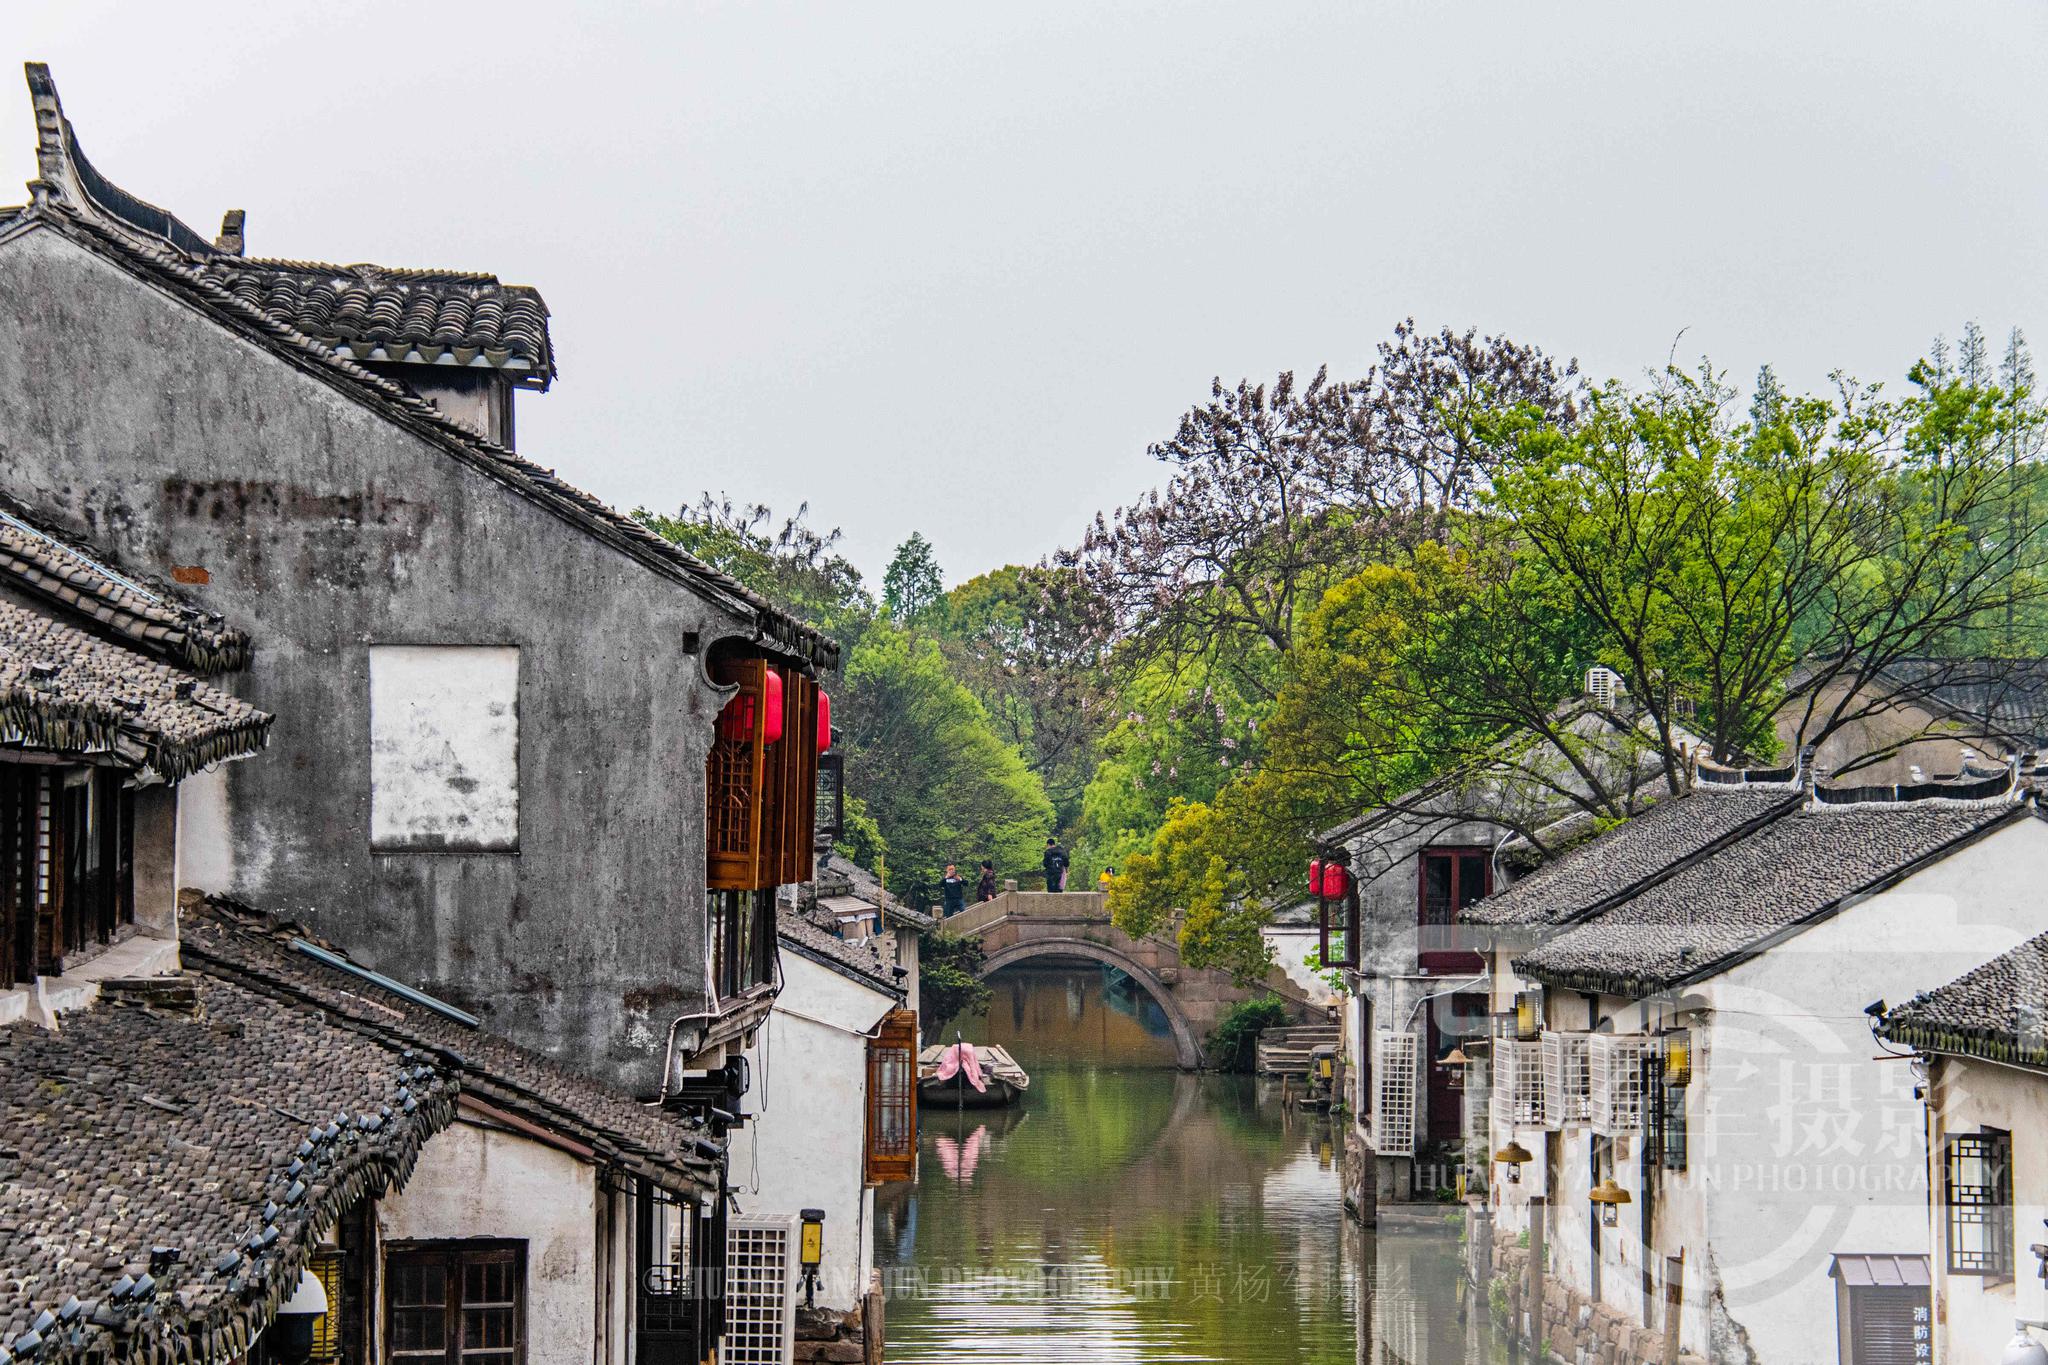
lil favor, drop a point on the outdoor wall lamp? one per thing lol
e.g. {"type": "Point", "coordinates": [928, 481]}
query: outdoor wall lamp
{"type": "Point", "coordinates": [1610, 1197]}
{"type": "Point", "coordinates": [1528, 1023]}
{"type": "Point", "coordinates": [810, 1252]}
{"type": "Point", "coordinates": [1326, 1066]}
{"type": "Point", "coordinates": [1514, 1156]}
{"type": "Point", "coordinates": [1678, 1059]}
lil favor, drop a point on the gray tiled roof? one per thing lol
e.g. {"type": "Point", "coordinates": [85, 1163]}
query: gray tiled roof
{"type": "Point", "coordinates": [1720, 909]}
{"type": "Point", "coordinates": [153, 245]}
{"type": "Point", "coordinates": [861, 961]}
{"type": "Point", "coordinates": [1999, 1011]}
{"type": "Point", "coordinates": [137, 1127]}
{"type": "Point", "coordinates": [2003, 698]}
{"type": "Point", "coordinates": [1666, 834]}
{"type": "Point", "coordinates": [146, 615]}
{"type": "Point", "coordinates": [838, 875]}
{"type": "Point", "coordinates": [252, 950]}
{"type": "Point", "coordinates": [529, 480]}
{"type": "Point", "coordinates": [420, 317]}
{"type": "Point", "coordinates": [61, 688]}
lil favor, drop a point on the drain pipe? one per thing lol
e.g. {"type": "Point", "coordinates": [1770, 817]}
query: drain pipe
{"type": "Point", "coordinates": [1481, 979]}
{"type": "Point", "coordinates": [668, 1053]}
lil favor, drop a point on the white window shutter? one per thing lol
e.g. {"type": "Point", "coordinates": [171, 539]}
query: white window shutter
{"type": "Point", "coordinates": [1567, 1083]}
{"type": "Point", "coordinates": [1616, 1064]}
{"type": "Point", "coordinates": [1394, 1070]}
{"type": "Point", "coordinates": [761, 1274]}
{"type": "Point", "coordinates": [1518, 1083]}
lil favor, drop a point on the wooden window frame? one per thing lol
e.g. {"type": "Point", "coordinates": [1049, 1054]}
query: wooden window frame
{"type": "Point", "coordinates": [761, 798]}
{"type": "Point", "coordinates": [1448, 959]}
{"type": "Point", "coordinates": [60, 894]}
{"type": "Point", "coordinates": [455, 1256]}
{"type": "Point", "coordinates": [891, 1145]}
{"type": "Point", "coordinates": [740, 940]}
{"type": "Point", "coordinates": [1968, 1205]}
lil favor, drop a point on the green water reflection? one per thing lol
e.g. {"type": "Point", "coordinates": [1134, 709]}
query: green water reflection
{"type": "Point", "coordinates": [1145, 1215]}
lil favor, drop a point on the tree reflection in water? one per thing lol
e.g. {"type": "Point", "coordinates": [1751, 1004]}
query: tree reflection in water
{"type": "Point", "coordinates": [1147, 1215]}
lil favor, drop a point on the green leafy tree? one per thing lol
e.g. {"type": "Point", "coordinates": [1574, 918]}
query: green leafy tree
{"type": "Point", "coordinates": [1021, 640]}
{"type": "Point", "coordinates": [913, 589]}
{"type": "Point", "coordinates": [785, 560]}
{"type": "Point", "coordinates": [940, 784]}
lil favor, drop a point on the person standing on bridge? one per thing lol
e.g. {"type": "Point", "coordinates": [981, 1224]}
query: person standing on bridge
{"type": "Point", "coordinates": [953, 890]}
{"type": "Point", "coordinates": [985, 890]}
{"type": "Point", "coordinates": [1055, 865]}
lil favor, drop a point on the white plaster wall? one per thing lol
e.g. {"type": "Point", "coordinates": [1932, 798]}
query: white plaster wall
{"type": "Point", "coordinates": [1802, 1142]}
{"type": "Point", "coordinates": [444, 747]}
{"type": "Point", "coordinates": [1290, 948]}
{"type": "Point", "coordinates": [205, 840]}
{"type": "Point", "coordinates": [1974, 1315]}
{"type": "Point", "coordinates": [480, 1182]}
{"type": "Point", "coordinates": [806, 1146]}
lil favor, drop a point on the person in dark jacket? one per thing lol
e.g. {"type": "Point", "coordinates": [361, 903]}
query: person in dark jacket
{"type": "Point", "coordinates": [953, 890]}
{"type": "Point", "coordinates": [1055, 865]}
{"type": "Point", "coordinates": [986, 889]}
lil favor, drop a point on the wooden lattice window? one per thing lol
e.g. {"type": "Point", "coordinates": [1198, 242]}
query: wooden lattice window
{"type": "Point", "coordinates": [761, 794]}
{"type": "Point", "coordinates": [1977, 1189]}
{"type": "Point", "coordinates": [328, 1327]}
{"type": "Point", "coordinates": [462, 1303]}
{"type": "Point", "coordinates": [892, 1099]}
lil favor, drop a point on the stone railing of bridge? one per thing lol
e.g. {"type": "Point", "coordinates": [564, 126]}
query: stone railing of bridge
{"type": "Point", "coordinates": [1068, 905]}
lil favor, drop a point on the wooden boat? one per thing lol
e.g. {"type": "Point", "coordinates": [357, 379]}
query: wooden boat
{"type": "Point", "coordinates": [1003, 1082]}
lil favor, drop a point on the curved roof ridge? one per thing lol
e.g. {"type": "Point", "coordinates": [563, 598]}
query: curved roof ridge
{"type": "Point", "coordinates": [540, 485]}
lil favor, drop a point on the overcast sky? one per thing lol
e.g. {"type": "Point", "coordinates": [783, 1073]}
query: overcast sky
{"type": "Point", "coordinates": [950, 267]}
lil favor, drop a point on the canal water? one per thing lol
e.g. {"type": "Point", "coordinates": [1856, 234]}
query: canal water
{"type": "Point", "coordinates": [1127, 1212]}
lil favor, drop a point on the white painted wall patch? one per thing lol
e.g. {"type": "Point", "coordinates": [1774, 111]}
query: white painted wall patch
{"type": "Point", "coordinates": [444, 748]}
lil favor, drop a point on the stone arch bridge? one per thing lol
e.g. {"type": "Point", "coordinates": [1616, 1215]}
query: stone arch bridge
{"type": "Point", "coordinates": [1023, 926]}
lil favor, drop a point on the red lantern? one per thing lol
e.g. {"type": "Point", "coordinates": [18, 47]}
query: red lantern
{"type": "Point", "coordinates": [1336, 881]}
{"type": "Point", "coordinates": [1315, 876]}
{"type": "Point", "coordinates": [736, 721]}
{"type": "Point", "coordinates": [771, 693]}
{"type": "Point", "coordinates": [824, 721]}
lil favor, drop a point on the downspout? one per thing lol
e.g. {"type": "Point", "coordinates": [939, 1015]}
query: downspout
{"type": "Point", "coordinates": [1453, 989]}
{"type": "Point", "coordinates": [668, 1057]}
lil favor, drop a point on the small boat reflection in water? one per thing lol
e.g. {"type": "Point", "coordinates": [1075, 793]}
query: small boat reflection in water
{"type": "Point", "coordinates": [962, 1076]}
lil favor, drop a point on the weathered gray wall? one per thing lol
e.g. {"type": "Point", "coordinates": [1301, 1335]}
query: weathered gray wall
{"type": "Point", "coordinates": [323, 528]}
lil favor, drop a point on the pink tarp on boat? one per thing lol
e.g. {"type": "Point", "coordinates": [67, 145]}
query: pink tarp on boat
{"type": "Point", "coordinates": [959, 1057]}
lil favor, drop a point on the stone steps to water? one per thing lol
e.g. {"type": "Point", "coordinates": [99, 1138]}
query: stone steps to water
{"type": "Point", "coordinates": [1287, 1051]}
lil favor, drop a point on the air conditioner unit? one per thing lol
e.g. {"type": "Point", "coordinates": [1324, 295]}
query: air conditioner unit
{"type": "Point", "coordinates": [1604, 685]}
{"type": "Point", "coordinates": [1396, 1076]}
{"type": "Point", "coordinates": [1567, 1080]}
